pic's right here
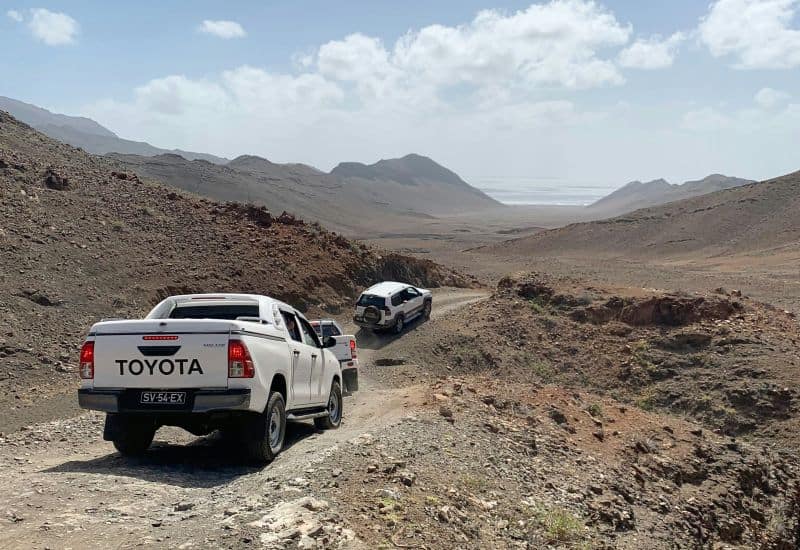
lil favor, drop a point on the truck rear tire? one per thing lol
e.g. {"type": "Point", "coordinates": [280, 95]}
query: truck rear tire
{"type": "Point", "coordinates": [265, 439]}
{"type": "Point", "coordinates": [334, 417]}
{"type": "Point", "coordinates": [134, 440]}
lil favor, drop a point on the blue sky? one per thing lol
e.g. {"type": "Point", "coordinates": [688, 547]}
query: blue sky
{"type": "Point", "coordinates": [585, 92]}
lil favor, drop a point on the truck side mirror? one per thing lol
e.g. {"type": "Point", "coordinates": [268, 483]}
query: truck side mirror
{"type": "Point", "coordinates": [328, 342]}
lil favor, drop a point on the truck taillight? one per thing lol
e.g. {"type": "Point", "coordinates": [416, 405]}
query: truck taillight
{"type": "Point", "coordinates": [240, 364]}
{"type": "Point", "coordinates": [353, 350]}
{"type": "Point", "coordinates": [86, 367]}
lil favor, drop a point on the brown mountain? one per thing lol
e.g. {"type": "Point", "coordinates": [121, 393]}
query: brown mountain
{"type": "Point", "coordinates": [83, 238]}
{"type": "Point", "coordinates": [87, 134]}
{"type": "Point", "coordinates": [413, 183]}
{"type": "Point", "coordinates": [760, 218]}
{"type": "Point", "coordinates": [636, 194]}
{"type": "Point", "coordinates": [299, 189]}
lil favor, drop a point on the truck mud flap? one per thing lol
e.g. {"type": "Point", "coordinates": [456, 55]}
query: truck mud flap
{"type": "Point", "coordinates": [349, 381]}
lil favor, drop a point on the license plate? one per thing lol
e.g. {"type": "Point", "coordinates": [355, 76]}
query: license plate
{"type": "Point", "coordinates": [163, 398]}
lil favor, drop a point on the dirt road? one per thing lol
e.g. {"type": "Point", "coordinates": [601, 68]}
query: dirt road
{"type": "Point", "coordinates": [63, 487]}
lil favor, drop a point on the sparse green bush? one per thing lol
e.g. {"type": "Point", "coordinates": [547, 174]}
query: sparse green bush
{"type": "Point", "coordinates": [595, 409]}
{"type": "Point", "coordinates": [561, 525]}
{"type": "Point", "coordinates": [538, 305]}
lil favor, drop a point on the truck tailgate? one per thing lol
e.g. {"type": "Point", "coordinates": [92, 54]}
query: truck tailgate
{"type": "Point", "coordinates": [164, 353]}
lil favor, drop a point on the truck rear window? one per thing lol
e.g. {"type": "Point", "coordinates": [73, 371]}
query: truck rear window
{"type": "Point", "coordinates": [327, 329]}
{"type": "Point", "coordinates": [226, 312]}
{"type": "Point", "coordinates": [371, 300]}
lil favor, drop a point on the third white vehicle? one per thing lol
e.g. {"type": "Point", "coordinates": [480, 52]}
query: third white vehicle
{"type": "Point", "coordinates": [345, 350]}
{"type": "Point", "coordinates": [391, 305]}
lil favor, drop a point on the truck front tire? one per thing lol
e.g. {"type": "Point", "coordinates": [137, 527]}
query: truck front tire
{"type": "Point", "coordinates": [265, 440]}
{"type": "Point", "coordinates": [333, 419]}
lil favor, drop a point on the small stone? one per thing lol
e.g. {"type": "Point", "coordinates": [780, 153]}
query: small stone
{"type": "Point", "coordinates": [306, 543]}
{"type": "Point", "coordinates": [389, 493]}
{"type": "Point", "coordinates": [446, 412]}
{"type": "Point", "coordinates": [407, 478]}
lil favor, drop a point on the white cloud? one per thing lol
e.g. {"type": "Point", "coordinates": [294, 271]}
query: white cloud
{"type": "Point", "coordinates": [357, 57]}
{"type": "Point", "coordinates": [768, 98]}
{"type": "Point", "coordinates": [553, 44]}
{"type": "Point", "coordinates": [557, 43]}
{"type": "Point", "coordinates": [223, 29]}
{"type": "Point", "coordinates": [258, 91]}
{"type": "Point", "coordinates": [652, 53]}
{"type": "Point", "coordinates": [707, 119]}
{"type": "Point", "coordinates": [15, 15]}
{"type": "Point", "coordinates": [52, 28]}
{"type": "Point", "coordinates": [177, 95]}
{"type": "Point", "coordinates": [757, 33]}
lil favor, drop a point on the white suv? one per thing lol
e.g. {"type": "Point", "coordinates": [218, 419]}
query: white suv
{"type": "Point", "coordinates": [391, 305]}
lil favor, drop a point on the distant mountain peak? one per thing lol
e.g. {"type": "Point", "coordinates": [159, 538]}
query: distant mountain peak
{"type": "Point", "coordinates": [40, 118]}
{"type": "Point", "coordinates": [411, 169]}
{"type": "Point", "coordinates": [413, 182]}
{"type": "Point", "coordinates": [249, 158]}
{"type": "Point", "coordinates": [636, 194]}
{"type": "Point", "coordinates": [87, 134]}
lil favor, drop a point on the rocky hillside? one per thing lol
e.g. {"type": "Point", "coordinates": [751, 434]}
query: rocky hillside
{"type": "Point", "coordinates": [729, 362]}
{"type": "Point", "coordinates": [414, 183]}
{"type": "Point", "coordinates": [758, 218]}
{"type": "Point", "coordinates": [636, 194]}
{"type": "Point", "coordinates": [82, 238]}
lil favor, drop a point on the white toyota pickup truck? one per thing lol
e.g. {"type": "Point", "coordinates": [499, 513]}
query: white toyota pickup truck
{"type": "Point", "coordinates": [240, 363]}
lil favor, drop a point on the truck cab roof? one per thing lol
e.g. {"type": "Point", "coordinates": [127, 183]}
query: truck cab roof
{"type": "Point", "coordinates": [267, 306]}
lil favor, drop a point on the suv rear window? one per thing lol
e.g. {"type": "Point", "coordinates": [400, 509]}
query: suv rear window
{"type": "Point", "coordinates": [371, 300]}
{"type": "Point", "coordinates": [227, 312]}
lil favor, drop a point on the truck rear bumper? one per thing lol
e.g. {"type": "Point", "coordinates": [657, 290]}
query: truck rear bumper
{"type": "Point", "coordinates": [198, 401]}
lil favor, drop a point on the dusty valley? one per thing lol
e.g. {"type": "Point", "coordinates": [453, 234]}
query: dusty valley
{"type": "Point", "coordinates": [624, 383]}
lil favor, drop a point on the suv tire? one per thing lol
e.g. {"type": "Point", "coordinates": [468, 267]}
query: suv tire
{"type": "Point", "coordinates": [265, 438]}
{"type": "Point", "coordinates": [426, 311]}
{"type": "Point", "coordinates": [399, 324]}
{"type": "Point", "coordinates": [334, 418]}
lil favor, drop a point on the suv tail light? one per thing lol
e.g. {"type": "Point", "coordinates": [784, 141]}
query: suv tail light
{"type": "Point", "coordinates": [240, 364]}
{"type": "Point", "coordinates": [353, 350]}
{"type": "Point", "coordinates": [86, 367]}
